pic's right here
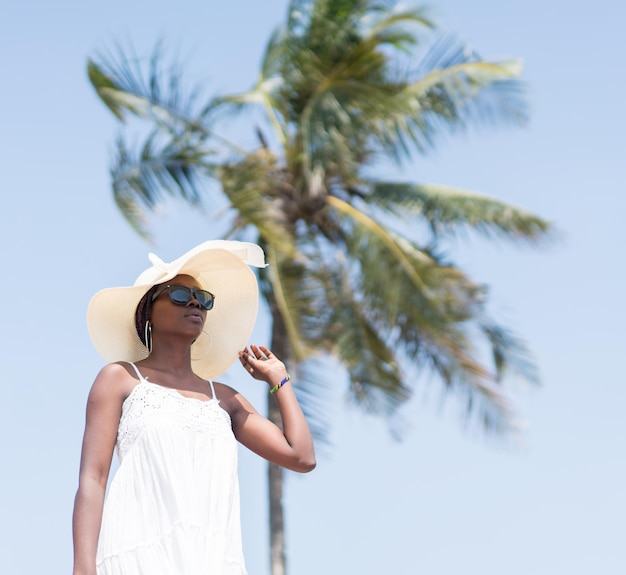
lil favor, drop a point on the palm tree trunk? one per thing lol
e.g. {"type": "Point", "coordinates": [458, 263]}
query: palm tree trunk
{"type": "Point", "coordinates": [277, 521]}
{"type": "Point", "coordinates": [278, 562]}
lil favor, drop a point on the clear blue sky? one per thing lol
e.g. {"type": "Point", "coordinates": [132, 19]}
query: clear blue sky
{"type": "Point", "coordinates": [442, 502]}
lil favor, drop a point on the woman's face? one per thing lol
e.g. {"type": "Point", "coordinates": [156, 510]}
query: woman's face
{"type": "Point", "coordinates": [168, 317]}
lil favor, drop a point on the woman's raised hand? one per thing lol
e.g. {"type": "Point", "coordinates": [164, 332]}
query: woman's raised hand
{"type": "Point", "coordinates": [262, 364]}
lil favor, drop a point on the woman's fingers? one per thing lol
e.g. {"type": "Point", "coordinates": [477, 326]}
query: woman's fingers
{"type": "Point", "coordinates": [260, 352]}
{"type": "Point", "coordinates": [245, 357]}
{"type": "Point", "coordinates": [260, 362]}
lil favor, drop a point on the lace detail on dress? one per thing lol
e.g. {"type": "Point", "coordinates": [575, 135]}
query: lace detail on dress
{"type": "Point", "coordinates": [150, 404]}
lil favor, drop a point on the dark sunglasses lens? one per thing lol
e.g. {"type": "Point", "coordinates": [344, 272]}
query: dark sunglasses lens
{"type": "Point", "coordinates": [205, 298]}
{"type": "Point", "coordinates": [179, 295]}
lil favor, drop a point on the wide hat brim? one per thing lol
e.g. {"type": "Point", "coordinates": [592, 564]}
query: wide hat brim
{"type": "Point", "coordinates": [219, 266]}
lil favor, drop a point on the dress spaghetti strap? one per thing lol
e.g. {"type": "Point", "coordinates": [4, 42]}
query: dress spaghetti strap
{"type": "Point", "coordinates": [141, 377]}
{"type": "Point", "coordinates": [213, 390]}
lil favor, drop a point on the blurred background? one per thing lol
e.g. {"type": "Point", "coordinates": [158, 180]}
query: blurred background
{"type": "Point", "coordinates": [441, 501]}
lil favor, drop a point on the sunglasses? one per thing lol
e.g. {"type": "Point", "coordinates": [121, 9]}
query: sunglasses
{"type": "Point", "coordinates": [182, 295]}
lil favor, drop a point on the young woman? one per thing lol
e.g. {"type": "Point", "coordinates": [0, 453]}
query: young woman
{"type": "Point", "coordinates": [173, 504]}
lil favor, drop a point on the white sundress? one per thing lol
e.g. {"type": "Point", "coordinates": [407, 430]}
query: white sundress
{"type": "Point", "coordinates": [173, 505]}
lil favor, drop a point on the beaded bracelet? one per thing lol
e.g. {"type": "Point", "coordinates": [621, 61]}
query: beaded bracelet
{"type": "Point", "coordinates": [279, 385]}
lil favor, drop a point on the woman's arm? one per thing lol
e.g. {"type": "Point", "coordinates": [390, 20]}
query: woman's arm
{"type": "Point", "coordinates": [293, 446]}
{"type": "Point", "coordinates": [104, 407]}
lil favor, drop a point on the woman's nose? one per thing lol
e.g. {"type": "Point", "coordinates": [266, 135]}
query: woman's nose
{"type": "Point", "coordinates": [193, 302]}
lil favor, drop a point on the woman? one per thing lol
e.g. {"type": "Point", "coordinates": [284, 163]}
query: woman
{"type": "Point", "coordinates": [173, 505]}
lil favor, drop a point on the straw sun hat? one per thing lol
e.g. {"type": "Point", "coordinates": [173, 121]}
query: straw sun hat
{"type": "Point", "coordinates": [221, 267]}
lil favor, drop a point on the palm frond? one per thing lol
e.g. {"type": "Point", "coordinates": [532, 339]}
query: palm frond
{"type": "Point", "coordinates": [376, 383]}
{"type": "Point", "coordinates": [429, 322]}
{"type": "Point", "coordinates": [314, 386]}
{"type": "Point", "coordinates": [486, 402]}
{"type": "Point", "coordinates": [154, 92]}
{"type": "Point", "coordinates": [144, 87]}
{"type": "Point", "coordinates": [397, 18]}
{"type": "Point", "coordinates": [447, 210]}
{"type": "Point", "coordinates": [296, 293]}
{"type": "Point", "coordinates": [451, 89]}
{"type": "Point", "coordinates": [454, 67]}
{"type": "Point", "coordinates": [264, 93]}
{"type": "Point", "coordinates": [143, 179]}
{"type": "Point", "coordinates": [384, 236]}
{"type": "Point", "coordinates": [104, 85]}
{"type": "Point", "coordinates": [455, 88]}
{"type": "Point", "coordinates": [510, 354]}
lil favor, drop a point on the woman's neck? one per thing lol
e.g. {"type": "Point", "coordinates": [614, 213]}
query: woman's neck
{"type": "Point", "coordinates": [170, 359]}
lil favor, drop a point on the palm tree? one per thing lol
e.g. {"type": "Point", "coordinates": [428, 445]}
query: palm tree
{"type": "Point", "coordinates": [356, 272]}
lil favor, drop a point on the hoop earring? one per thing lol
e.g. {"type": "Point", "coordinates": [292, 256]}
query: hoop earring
{"type": "Point", "coordinates": [202, 348]}
{"type": "Point", "coordinates": [148, 336]}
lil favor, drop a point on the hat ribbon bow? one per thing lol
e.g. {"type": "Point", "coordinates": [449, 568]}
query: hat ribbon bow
{"type": "Point", "coordinates": [160, 265]}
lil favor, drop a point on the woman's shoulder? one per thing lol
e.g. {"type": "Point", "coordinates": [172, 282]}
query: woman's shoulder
{"type": "Point", "coordinates": [232, 400]}
{"type": "Point", "coordinates": [118, 372]}
{"type": "Point", "coordinates": [225, 393]}
{"type": "Point", "coordinates": [115, 379]}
